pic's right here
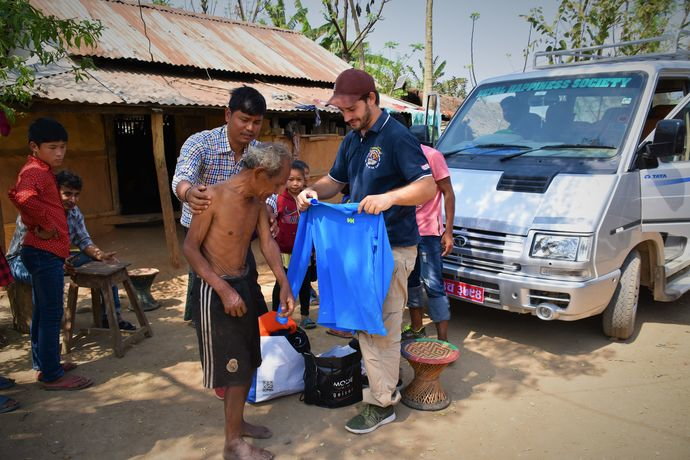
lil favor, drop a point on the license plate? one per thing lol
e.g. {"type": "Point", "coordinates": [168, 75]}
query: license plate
{"type": "Point", "coordinates": [464, 291]}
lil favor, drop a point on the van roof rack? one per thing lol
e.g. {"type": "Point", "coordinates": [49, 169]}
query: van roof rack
{"type": "Point", "coordinates": [590, 54]}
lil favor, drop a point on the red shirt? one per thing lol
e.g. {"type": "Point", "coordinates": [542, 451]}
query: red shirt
{"type": "Point", "coordinates": [37, 198]}
{"type": "Point", "coordinates": [288, 218]}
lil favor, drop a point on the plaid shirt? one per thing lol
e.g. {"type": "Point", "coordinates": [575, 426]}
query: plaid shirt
{"type": "Point", "coordinates": [78, 235]}
{"type": "Point", "coordinates": [5, 274]}
{"type": "Point", "coordinates": [207, 158]}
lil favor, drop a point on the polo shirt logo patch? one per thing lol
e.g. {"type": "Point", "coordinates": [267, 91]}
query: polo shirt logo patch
{"type": "Point", "coordinates": [373, 158]}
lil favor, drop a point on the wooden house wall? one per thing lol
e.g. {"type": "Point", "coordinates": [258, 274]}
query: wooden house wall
{"type": "Point", "coordinates": [89, 156]}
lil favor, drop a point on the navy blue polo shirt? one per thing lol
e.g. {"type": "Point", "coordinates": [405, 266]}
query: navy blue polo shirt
{"type": "Point", "coordinates": [386, 158]}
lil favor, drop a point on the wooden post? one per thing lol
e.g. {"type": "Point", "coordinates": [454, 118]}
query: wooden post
{"type": "Point", "coordinates": [164, 189]}
{"type": "Point", "coordinates": [2, 231]}
{"type": "Point", "coordinates": [111, 154]}
{"type": "Point", "coordinates": [21, 304]}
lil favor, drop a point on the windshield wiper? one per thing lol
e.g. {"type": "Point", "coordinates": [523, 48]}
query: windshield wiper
{"type": "Point", "coordinates": [488, 146]}
{"type": "Point", "coordinates": [557, 147]}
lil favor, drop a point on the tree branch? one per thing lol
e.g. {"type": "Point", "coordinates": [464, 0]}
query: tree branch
{"type": "Point", "coordinates": [241, 10]}
{"type": "Point", "coordinates": [257, 10]}
{"type": "Point", "coordinates": [363, 34]}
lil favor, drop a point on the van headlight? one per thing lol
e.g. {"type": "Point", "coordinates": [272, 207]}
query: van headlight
{"type": "Point", "coordinates": [559, 247]}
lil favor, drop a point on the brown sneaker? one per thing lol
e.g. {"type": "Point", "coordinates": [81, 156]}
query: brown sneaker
{"type": "Point", "coordinates": [341, 334]}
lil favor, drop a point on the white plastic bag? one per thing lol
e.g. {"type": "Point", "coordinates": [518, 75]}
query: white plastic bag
{"type": "Point", "coordinates": [281, 372]}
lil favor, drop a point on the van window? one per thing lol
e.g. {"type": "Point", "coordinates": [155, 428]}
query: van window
{"type": "Point", "coordinates": [588, 113]}
{"type": "Point", "coordinates": [685, 116]}
{"type": "Point", "coordinates": [669, 92]}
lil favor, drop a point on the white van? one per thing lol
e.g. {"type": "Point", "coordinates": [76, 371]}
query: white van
{"type": "Point", "coordinates": [573, 188]}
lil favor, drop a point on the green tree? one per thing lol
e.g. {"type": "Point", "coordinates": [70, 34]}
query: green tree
{"type": "Point", "coordinates": [388, 70]}
{"type": "Point", "coordinates": [339, 19]}
{"type": "Point", "coordinates": [454, 86]}
{"type": "Point", "coordinates": [249, 11]}
{"type": "Point", "coordinates": [29, 37]}
{"type": "Point", "coordinates": [325, 34]}
{"type": "Point", "coordinates": [437, 72]}
{"type": "Point", "coordinates": [585, 23]}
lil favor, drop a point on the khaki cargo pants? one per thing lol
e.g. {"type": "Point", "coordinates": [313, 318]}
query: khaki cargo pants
{"type": "Point", "coordinates": [382, 354]}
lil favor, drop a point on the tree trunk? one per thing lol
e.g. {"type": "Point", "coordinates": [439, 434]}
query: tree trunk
{"type": "Point", "coordinates": [428, 52]}
{"type": "Point", "coordinates": [353, 10]}
{"type": "Point", "coordinates": [21, 304]}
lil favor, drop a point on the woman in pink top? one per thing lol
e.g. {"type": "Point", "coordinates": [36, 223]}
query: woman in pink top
{"type": "Point", "coordinates": [436, 241]}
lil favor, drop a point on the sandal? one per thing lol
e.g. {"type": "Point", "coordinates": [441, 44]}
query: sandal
{"type": "Point", "coordinates": [307, 323]}
{"type": "Point", "coordinates": [66, 367]}
{"type": "Point", "coordinates": [6, 383]}
{"type": "Point", "coordinates": [8, 404]}
{"type": "Point", "coordinates": [68, 383]}
{"type": "Point", "coordinates": [341, 334]}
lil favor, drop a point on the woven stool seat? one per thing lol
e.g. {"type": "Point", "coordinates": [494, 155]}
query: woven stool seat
{"type": "Point", "coordinates": [428, 358]}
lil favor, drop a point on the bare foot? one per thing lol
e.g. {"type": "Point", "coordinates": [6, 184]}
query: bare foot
{"type": "Point", "coordinates": [255, 431]}
{"type": "Point", "coordinates": [240, 450]}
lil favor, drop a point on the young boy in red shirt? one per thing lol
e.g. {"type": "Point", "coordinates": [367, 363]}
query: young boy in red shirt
{"type": "Point", "coordinates": [288, 219]}
{"type": "Point", "coordinates": [45, 248]}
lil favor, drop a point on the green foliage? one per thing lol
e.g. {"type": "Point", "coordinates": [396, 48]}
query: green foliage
{"type": "Point", "coordinates": [325, 34]}
{"type": "Point", "coordinates": [29, 34]}
{"type": "Point", "coordinates": [387, 70]}
{"type": "Point", "coordinates": [585, 23]}
{"type": "Point", "coordinates": [161, 2]}
{"type": "Point", "coordinates": [339, 18]}
{"type": "Point", "coordinates": [437, 72]}
{"type": "Point", "coordinates": [454, 86]}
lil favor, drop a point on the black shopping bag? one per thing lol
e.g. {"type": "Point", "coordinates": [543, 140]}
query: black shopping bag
{"type": "Point", "coordinates": [333, 381]}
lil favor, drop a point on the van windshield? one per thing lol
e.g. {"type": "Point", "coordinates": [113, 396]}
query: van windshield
{"type": "Point", "coordinates": [582, 116]}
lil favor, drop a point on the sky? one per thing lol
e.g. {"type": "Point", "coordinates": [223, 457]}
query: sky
{"type": "Point", "coordinates": [499, 39]}
{"type": "Point", "coordinates": [500, 34]}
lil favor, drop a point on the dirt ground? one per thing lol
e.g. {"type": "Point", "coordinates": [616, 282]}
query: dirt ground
{"type": "Point", "coordinates": [523, 388]}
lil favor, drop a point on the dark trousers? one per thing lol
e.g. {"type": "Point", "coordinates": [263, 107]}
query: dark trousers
{"type": "Point", "coordinates": [304, 294]}
{"type": "Point", "coordinates": [47, 276]}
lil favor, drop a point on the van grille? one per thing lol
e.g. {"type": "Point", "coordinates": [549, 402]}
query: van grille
{"type": "Point", "coordinates": [520, 183]}
{"type": "Point", "coordinates": [560, 299]}
{"type": "Point", "coordinates": [485, 250]}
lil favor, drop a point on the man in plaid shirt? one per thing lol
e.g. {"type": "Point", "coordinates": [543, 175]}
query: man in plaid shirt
{"type": "Point", "coordinates": [212, 156]}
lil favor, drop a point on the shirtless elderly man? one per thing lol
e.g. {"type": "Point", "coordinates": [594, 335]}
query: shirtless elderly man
{"type": "Point", "coordinates": [227, 325]}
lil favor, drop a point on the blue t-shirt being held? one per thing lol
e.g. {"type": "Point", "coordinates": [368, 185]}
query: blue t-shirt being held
{"type": "Point", "coordinates": [354, 262]}
{"type": "Point", "coordinates": [386, 158]}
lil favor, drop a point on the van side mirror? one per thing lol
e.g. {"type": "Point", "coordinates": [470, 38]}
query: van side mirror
{"type": "Point", "coordinates": [421, 132]}
{"type": "Point", "coordinates": [669, 139]}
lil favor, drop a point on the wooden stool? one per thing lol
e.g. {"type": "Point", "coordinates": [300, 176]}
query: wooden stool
{"type": "Point", "coordinates": [101, 278]}
{"type": "Point", "coordinates": [22, 306]}
{"type": "Point", "coordinates": [428, 358]}
{"type": "Point", "coordinates": [142, 279]}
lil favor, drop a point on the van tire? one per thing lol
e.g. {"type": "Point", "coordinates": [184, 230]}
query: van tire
{"type": "Point", "coordinates": [619, 316]}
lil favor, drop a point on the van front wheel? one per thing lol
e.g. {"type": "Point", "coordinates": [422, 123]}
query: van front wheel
{"type": "Point", "coordinates": [619, 316]}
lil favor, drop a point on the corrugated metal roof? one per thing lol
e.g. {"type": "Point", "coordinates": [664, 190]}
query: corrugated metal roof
{"type": "Point", "coordinates": [108, 86]}
{"type": "Point", "coordinates": [182, 38]}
